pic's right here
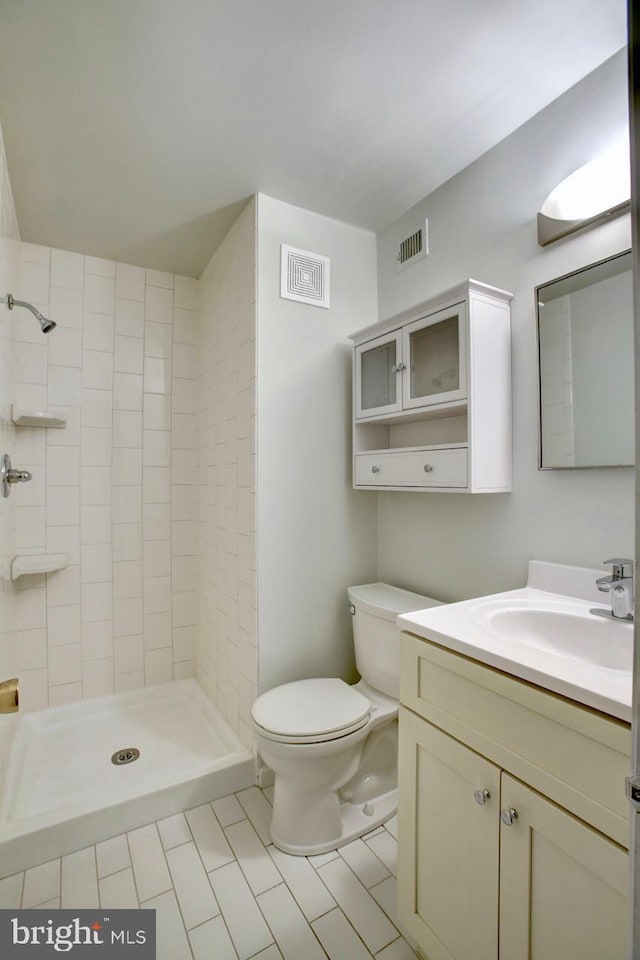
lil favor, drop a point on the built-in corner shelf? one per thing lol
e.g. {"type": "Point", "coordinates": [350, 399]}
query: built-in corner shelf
{"type": "Point", "coordinates": [30, 564]}
{"type": "Point", "coordinates": [37, 418]}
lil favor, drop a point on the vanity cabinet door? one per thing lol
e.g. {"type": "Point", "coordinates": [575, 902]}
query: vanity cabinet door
{"type": "Point", "coordinates": [377, 376]}
{"type": "Point", "coordinates": [448, 844]}
{"type": "Point", "coordinates": [563, 885]}
{"type": "Point", "coordinates": [434, 350]}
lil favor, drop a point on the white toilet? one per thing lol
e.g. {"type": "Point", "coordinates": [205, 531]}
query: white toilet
{"type": "Point", "coordinates": [333, 747]}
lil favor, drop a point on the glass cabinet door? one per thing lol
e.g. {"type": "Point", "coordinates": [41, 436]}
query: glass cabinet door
{"type": "Point", "coordinates": [377, 376]}
{"type": "Point", "coordinates": [434, 351]}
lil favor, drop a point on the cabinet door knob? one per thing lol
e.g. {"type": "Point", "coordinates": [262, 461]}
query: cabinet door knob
{"type": "Point", "coordinates": [509, 816]}
{"type": "Point", "coordinates": [375, 469]}
{"type": "Point", "coordinates": [481, 796]}
{"type": "Point", "coordinates": [396, 368]}
{"type": "Point", "coordinates": [428, 468]}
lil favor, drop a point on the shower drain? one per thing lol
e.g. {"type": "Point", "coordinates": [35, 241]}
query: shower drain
{"type": "Point", "coordinates": [128, 755]}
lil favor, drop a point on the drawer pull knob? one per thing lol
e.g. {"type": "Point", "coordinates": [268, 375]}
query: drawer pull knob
{"type": "Point", "coordinates": [509, 816]}
{"type": "Point", "coordinates": [428, 468]}
{"type": "Point", "coordinates": [375, 469]}
{"type": "Point", "coordinates": [481, 796]}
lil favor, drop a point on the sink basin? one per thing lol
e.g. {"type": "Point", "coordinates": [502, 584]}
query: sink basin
{"type": "Point", "coordinates": [543, 634]}
{"type": "Point", "coordinates": [563, 628]}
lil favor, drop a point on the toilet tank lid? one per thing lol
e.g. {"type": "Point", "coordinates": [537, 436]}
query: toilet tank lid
{"type": "Point", "coordinates": [383, 600]}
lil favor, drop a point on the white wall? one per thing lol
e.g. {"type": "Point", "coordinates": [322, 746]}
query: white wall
{"type": "Point", "coordinates": [115, 489]}
{"type": "Point", "coordinates": [227, 658]}
{"type": "Point", "coordinates": [483, 225]}
{"type": "Point", "coordinates": [315, 534]}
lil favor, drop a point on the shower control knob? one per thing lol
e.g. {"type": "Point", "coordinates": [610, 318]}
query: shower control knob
{"type": "Point", "coordinates": [481, 796]}
{"type": "Point", "coordinates": [9, 476]}
{"type": "Point", "coordinates": [509, 816]}
{"type": "Point", "coordinates": [18, 476]}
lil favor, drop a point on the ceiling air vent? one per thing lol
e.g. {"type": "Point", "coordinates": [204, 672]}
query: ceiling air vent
{"type": "Point", "coordinates": [414, 247]}
{"type": "Point", "coordinates": [304, 276]}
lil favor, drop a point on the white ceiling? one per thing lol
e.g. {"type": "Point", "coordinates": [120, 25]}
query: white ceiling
{"type": "Point", "coordinates": [135, 129]}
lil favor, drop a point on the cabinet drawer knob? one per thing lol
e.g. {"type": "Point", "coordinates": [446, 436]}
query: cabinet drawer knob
{"type": "Point", "coordinates": [375, 469]}
{"type": "Point", "coordinates": [481, 796]}
{"type": "Point", "coordinates": [428, 468]}
{"type": "Point", "coordinates": [509, 816]}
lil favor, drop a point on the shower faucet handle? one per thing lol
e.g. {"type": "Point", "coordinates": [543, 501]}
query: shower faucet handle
{"type": "Point", "coordinates": [9, 476]}
{"type": "Point", "coordinates": [18, 476]}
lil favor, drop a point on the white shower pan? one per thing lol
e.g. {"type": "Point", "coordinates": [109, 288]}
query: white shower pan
{"type": "Point", "coordinates": [61, 791]}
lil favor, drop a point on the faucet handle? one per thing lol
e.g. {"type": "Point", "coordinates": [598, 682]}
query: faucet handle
{"type": "Point", "coordinates": [622, 567]}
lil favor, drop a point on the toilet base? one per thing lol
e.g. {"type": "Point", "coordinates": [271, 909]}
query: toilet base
{"type": "Point", "coordinates": [354, 823]}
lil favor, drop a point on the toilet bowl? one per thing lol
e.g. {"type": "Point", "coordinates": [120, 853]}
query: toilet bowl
{"type": "Point", "coordinates": [333, 747]}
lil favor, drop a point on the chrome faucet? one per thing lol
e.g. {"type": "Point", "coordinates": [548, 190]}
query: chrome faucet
{"type": "Point", "coordinates": [620, 586]}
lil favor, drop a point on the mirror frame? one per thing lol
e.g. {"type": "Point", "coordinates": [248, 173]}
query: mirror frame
{"type": "Point", "coordinates": [536, 297]}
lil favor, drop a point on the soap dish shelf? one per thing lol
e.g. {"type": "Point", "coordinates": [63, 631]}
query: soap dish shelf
{"type": "Point", "coordinates": [33, 563]}
{"type": "Point", "coordinates": [37, 418]}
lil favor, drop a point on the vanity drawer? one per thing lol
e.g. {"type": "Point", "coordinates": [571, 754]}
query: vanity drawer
{"type": "Point", "coordinates": [417, 468]}
{"type": "Point", "coordinates": [577, 757]}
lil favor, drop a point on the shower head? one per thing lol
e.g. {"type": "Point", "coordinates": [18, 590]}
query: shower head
{"type": "Point", "coordinates": [46, 325]}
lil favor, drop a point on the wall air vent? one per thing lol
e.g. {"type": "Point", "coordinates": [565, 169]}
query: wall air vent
{"type": "Point", "coordinates": [414, 247]}
{"type": "Point", "coordinates": [304, 276]}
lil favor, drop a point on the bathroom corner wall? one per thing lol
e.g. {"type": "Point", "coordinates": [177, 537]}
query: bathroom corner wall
{"type": "Point", "coordinates": [115, 490]}
{"type": "Point", "coordinates": [482, 224]}
{"type": "Point", "coordinates": [317, 535]}
{"type": "Point", "coordinates": [226, 658]}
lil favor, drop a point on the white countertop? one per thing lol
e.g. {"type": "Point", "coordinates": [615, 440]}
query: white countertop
{"type": "Point", "coordinates": [460, 627]}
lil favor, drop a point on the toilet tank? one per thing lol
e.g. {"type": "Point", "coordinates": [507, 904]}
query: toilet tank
{"type": "Point", "coordinates": [376, 638]}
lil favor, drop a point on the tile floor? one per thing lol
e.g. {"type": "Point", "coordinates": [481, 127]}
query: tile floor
{"type": "Point", "coordinates": [222, 891]}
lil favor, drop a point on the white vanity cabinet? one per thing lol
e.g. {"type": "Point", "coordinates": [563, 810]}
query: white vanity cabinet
{"type": "Point", "coordinates": [513, 818]}
{"type": "Point", "coordinates": [432, 380]}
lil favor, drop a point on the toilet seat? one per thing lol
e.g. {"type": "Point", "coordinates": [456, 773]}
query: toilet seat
{"type": "Point", "coordinates": [310, 711]}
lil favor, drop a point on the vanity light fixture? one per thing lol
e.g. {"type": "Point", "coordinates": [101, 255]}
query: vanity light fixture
{"type": "Point", "coordinates": [597, 191]}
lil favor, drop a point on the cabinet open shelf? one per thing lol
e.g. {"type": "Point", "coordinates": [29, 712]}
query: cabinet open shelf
{"type": "Point", "coordinates": [418, 449]}
{"type": "Point", "coordinates": [438, 411]}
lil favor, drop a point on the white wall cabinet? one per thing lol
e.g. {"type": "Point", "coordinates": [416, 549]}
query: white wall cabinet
{"type": "Point", "coordinates": [433, 379]}
{"type": "Point", "coordinates": [489, 867]}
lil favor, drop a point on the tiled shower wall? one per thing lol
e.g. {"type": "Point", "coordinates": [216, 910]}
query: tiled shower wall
{"type": "Point", "coordinates": [115, 490]}
{"type": "Point", "coordinates": [9, 252]}
{"type": "Point", "coordinates": [558, 447]}
{"type": "Point", "coordinates": [226, 657]}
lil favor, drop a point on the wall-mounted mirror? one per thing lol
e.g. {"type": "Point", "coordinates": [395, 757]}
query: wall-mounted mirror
{"type": "Point", "coordinates": [585, 345]}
